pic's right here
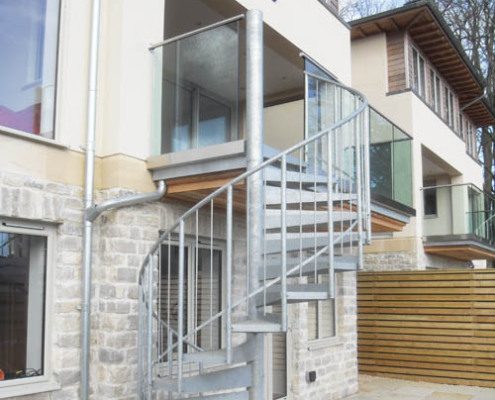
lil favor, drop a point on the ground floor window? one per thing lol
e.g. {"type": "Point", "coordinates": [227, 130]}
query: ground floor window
{"type": "Point", "coordinates": [23, 294]}
{"type": "Point", "coordinates": [321, 315]}
{"type": "Point", "coordinates": [202, 293]}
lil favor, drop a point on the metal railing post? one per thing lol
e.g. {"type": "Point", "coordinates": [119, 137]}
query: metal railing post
{"type": "Point", "coordinates": [283, 223]}
{"type": "Point", "coordinates": [149, 366]}
{"type": "Point", "coordinates": [228, 322]}
{"type": "Point", "coordinates": [331, 250]}
{"type": "Point", "coordinates": [255, 201]}
{"type": "Point", "coordinates": [180, 322]}
{"type": "Point", "coordinates": [359, 205]}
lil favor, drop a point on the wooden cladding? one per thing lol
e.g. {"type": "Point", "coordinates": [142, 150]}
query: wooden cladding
{"type": "Point", "coordinates": [435, 326]}
{"type": "Point", "coordinates": [396, 62]}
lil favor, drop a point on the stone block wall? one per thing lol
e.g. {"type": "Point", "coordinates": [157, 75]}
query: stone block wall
{"type": "Point", "coordinates": [335, 359]}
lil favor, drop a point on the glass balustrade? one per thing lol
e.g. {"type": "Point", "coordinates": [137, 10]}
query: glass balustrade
{"type": "Point", "coordinates": [390, 161]}
{"type": "Point", "coordinates": [459, 210]}
{"type": "Point", "coordinates": [196, 90]}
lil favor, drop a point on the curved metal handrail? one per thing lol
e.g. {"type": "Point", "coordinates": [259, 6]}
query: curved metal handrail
{"type": "Point", "coordinates": [246, 174]}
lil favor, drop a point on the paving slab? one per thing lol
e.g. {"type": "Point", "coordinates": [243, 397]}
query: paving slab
{"type": "Point", "coordinates": [378, 388]}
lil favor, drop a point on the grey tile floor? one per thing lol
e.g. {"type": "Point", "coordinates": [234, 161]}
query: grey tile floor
{"type": "Point", "coordinates": [377, 388]}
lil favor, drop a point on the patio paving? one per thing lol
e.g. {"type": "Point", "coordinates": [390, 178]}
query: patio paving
{"type": "Point", "coordinates": [377, 388]}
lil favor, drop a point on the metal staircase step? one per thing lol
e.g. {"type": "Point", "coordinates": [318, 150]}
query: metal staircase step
{"type": "Point", "coordinates": [295, 294]}
{"type": "Point", "coordinates": [222, 396]}
{"type": "Point", "coordinates": [274, 175]}
{"type": "Point", "coordinates": [305, 217]}
{"type": "Point", "coordinates": [296, 196]}
{"type": "Point", "coordinates": [304, 241]}
{"type": "Point", "coordinates": [240, 354]}
{"type": "Point", "coordinates": [274, 265]}
{"type": "Point", "coordinates": [224, 379]}
{"type": "Point", "coordinates": [258, 325]}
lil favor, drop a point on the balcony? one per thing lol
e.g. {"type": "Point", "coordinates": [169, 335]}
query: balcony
{"type": "Point", "coordinates": [390, 173]}
{"type": "Point", "coordinates": [459, 222]}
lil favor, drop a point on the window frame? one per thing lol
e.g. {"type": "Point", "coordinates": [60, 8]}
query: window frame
{"type": "Point", "coordinates": [45, 382]}
{"type": "Point", "coordinates": [319, 309]}
{"type": "Point", "coordinates": [54, 140]}
{"type": "Point", "coordinates": [419, 73]}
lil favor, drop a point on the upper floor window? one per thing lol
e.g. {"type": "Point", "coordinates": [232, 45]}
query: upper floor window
{"type": "Point", "coordinates": [419, 73]}
{"type": "Point", "coordinates": [28, 50]}
{"type": "Point", "coordinates": [449, 106]}
{"type": "Point", "coordinates": [435, 91]}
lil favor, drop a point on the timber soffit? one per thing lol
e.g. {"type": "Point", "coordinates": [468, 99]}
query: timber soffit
{"type": "Point", "coordinates": [420, 18]}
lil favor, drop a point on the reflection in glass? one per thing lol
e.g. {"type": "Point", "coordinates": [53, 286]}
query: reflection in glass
{"type": "Point", "coordinates": [28, 54]}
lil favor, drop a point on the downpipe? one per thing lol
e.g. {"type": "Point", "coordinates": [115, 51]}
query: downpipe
{"type": "Point", "coordinates": [92, 211]}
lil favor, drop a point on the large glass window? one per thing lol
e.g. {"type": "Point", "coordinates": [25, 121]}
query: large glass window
{"type": "Point", "coordinates": [28, 54]}
{"type": "Point", "coordinates": [23, 260]}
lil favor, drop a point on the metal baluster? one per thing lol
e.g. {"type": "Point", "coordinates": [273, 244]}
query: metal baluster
{"type": "Point", "coordinates": [159, 301]}
{"type": "Point", "coordinates": [315, 243]}
{"type": "Point", "coordinates": [367, 177]}
{"type": "Point", "coordinates": [150, 330]}
{"type": "Point", "coordinates": [180, 327]}
{"type": "Point", "coordinates": [331, 266]}
{"type": "Point", "coordinates": [228, 321]}
{"type": "Point", "coordinates": [196, 279]}
{"type": "Point", "coordinates": [301, 155]}
{"type": "Point", "coordinates": [211, 273]}
{"type": "Point", "coordinates": [284, 240]}
{"type": "Point", "coordinates": [359, 187]}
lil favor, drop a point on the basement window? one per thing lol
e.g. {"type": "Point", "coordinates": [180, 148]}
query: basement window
{"type": "Point", "coordinates": [321, 315]}
{"type": "Point", "coordinates": [24, 256]}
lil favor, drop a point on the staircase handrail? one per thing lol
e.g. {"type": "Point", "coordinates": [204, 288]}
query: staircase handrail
{"type": "Point", "coordinates": [246, 174]}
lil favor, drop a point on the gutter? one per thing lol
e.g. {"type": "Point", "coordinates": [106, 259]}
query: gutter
{"type": "Point", "coordinates": [91, 211]}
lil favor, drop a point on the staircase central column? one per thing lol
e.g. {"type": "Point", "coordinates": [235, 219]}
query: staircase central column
{"type": "Point", "coordinates": [254, 142]}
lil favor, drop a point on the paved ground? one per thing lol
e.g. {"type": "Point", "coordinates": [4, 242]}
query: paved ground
{"type": "Point", "coordinates": [375, 388]}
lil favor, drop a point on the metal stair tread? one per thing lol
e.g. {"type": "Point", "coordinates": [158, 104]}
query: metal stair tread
{"type": "Point", "coordinates": [304, 217]}
{"type": "Point", "coordinates": [240, 354]}
{"type": "Point", "coordinates": [223, 379]}
{"type": "Point", "coordinates": [257, 325]}
{"type": "Point", "coordinates": [296, 196]}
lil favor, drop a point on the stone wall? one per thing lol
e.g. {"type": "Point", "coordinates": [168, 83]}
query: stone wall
{"type": "Point", "coordinates": [334, 359]}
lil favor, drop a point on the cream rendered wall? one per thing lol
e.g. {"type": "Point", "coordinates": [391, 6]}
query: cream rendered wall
{"type": "Point", "coordinates": [125, 79]}
{"type": "Point", "coordinates": [369, 75]}
{"type": "Point", "coordinates": [312, 28]}
{"type": "Point", "coordinates": [284, 124]}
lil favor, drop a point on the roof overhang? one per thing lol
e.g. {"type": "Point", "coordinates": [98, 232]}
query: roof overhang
{"type": "Point", "coordinates": [429, 30]}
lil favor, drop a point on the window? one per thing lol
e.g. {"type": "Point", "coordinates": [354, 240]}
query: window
{"type": "Point", "coordinates": [202, 292]}
{"type": "Point", "coordinates": [435, 90]}
{"type": "Point", "coordinates": [419, 73]}
{"type": "Point", "coordinates": [430, 197]}
{"type": "Point", "coordinates": [321, 315]}
{"type": "Point", "coordinates": [448, 106]}
{"type": "Point", "coordinates": [28, 50]}
{"type": "Point", "coordinates": [24, 256]}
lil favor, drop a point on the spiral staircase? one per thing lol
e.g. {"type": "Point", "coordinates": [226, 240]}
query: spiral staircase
{"type": "Point", "coordinates": [201, 326]}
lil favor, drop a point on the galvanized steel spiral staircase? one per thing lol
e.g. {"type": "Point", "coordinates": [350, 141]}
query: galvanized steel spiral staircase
{"type": "Point", "coordinates": [316, 218]}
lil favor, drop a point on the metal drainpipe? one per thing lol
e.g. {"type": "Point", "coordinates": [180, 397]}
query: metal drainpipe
{"type": "Point", "coordinates": [88, 199]}
{"type": "Point", "coordinates": [91, 211]}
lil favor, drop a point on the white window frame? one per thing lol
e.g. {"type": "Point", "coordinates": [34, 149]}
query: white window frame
{"type": "Point", "coordinates": [45, 382]}
{"type": "Point", "coordinates": [419, 73]}
{"type": "Point", "coordinates": [323, 340]}
{"type": "Point", "coordinates": [54, 140]}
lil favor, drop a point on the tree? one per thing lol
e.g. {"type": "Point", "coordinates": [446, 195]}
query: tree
{"type": "Point", "coordinates": [354, 9]}
{"type": "Point", "coordinates": [473, 22]}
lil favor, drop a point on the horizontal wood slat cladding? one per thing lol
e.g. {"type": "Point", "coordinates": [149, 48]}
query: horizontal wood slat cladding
{"type": "Point", "coordinates": [435, 326]}
{"type": "Point", "coordinates": [396, 62]}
